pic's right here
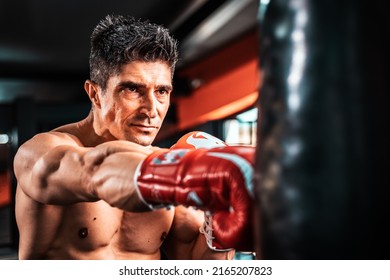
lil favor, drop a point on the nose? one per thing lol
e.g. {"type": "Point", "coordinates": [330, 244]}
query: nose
{"type": "Point", "coordinates": [149, 105]}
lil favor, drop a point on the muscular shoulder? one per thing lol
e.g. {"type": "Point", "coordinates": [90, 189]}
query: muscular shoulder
{"type": "Point", "coordinates": [73, 131]}
{"type": "Point", "coordinates": [43, 141]}
{"type": "Point", "coordinates": [31, 150]}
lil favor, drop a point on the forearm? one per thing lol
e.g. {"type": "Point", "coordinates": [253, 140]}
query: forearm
{"type": "Point", "coordinates": [70, 174]}
{"type": "Point", "coordinates": [113, 181]}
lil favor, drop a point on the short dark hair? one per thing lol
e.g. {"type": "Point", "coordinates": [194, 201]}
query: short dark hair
{"type": "Point", "coordinates": [118, 40]}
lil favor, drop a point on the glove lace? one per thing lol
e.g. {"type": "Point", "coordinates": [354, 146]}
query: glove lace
{"type": "Point", "coordinates": [207, 230]}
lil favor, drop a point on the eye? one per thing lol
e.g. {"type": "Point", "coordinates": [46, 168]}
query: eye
{"type": "Point", "coordinates": [131, 89]}
{"type": "Point", "coordinates": [162, 92]}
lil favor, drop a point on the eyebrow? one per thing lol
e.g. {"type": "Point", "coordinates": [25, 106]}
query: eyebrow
{"type": "Point", "coordinates": [129, 84]}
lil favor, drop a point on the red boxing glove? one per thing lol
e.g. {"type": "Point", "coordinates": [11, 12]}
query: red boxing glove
{"type": "Point", "coordinates": [220, 225]}
{"type": "Point", "coordinates": [217, 180]}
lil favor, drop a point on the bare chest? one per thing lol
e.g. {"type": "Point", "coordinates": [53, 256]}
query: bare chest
{"type": "Point", "coordinates": [94, 227]}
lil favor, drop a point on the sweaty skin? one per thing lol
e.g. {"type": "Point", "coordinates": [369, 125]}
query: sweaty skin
{"type": "Point", "coordinates": [76, 198]}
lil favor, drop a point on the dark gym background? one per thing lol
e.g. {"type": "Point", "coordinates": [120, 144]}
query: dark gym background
{"type": "Point", "coordinates": [44, 50]}
{"type": "Point", "coordinates": [321, 82]}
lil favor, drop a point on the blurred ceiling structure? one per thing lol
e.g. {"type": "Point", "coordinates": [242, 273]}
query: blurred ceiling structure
{"type": "Point", "coordinates": [44, 45]}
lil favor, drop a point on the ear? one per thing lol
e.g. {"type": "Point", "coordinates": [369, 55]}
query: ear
{"type": "Point", "coordinates": [92, 90]}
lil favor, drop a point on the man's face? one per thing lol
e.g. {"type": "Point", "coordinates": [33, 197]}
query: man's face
{"type": "Point", "coordinates": [135, 102]}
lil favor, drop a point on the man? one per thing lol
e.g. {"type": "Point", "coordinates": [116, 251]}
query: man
{"type": "Point", "coordinates": [85, 189]}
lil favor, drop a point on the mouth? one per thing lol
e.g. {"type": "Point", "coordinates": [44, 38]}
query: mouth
{"type": "Point", "coordinates": [144, 128]}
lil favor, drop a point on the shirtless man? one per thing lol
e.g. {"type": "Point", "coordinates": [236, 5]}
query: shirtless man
{"type": "Point", "coordinates": [78, 195]}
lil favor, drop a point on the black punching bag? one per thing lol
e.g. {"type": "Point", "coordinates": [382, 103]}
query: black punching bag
{"type": "Point", "coordinates": [321, 176]}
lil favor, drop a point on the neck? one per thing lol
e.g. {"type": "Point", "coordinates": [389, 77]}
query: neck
{"type": "Point", "coordinates": [94, 135]}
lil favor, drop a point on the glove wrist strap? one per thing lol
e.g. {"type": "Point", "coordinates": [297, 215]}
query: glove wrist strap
{"type": "Point", "coordinates": [152, 207]}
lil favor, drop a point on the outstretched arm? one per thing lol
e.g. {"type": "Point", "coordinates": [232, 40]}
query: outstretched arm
{"type": "Point", "coordinates": [54, 168]}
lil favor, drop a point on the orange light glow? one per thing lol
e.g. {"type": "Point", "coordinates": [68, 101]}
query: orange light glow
{"type": "Point", "coordinates": [231, 82]}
